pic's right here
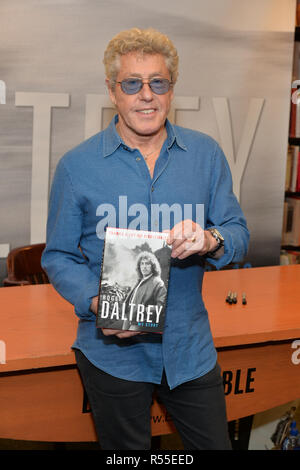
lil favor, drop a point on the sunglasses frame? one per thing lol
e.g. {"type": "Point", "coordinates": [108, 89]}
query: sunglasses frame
{"type": "Point", "coordinates": [144, 82]}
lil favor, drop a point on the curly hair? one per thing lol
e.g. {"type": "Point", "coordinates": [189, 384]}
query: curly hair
{"type": "Point", "coordinates": [156, 271]}
{"type": "Point", "coordinates": [142, 41]}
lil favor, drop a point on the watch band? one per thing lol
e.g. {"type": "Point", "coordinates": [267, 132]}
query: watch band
{"type": "Point", "coordinates": [220, 240]}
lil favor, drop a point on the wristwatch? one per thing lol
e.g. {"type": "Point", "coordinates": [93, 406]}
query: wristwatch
{"type": "Point", "coordinates": [220, 240]}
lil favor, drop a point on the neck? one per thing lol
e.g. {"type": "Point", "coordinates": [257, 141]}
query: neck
{"type": "Point", "coordinates": [147, 144]}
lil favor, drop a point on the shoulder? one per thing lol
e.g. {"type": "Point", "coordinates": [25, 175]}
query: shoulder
{"type": "Point", "coordinates": [198, 148]}
{"type": "Point", "coordinates": [88, 149]}
{"type": "Point", "coordinates": [81, 159]}
{"type": "Point", "coordinates": [157, 281]}
{"type": "Point", "coordinates": [192, 137]}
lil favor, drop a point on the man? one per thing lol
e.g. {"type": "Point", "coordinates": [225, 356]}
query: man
{"type": "Point", "coordinates": [151, 162]}
{"type": "Point", "coordinates": [149, 288]}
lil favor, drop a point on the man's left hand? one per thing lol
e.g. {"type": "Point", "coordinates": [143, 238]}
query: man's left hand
{"type": "Point", "coordinates": [187, 238]}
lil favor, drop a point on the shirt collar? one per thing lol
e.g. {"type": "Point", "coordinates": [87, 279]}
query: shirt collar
{"type": "Point", "coordinates": [173, 136]}
{"type": "Point", "coordinates": [112, 140]}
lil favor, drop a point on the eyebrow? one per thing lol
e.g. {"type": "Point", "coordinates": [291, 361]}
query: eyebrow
{"type": "Point", "coordinates": [152, 75]}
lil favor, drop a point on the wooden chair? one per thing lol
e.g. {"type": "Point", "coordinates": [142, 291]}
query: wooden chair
{"type": "Point", "coordinates": [24, 266]}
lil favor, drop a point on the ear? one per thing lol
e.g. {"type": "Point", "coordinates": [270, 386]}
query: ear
{"type": "Point", "coordinates": [110, 91]}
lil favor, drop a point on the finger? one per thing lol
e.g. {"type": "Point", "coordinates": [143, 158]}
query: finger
{"type": "Point", "coordinates": [191, 243]}
{"type": "Point", "coordinates": [178, 246]}
{"type": "Point", "coordinates": [189, 246]}
{"type": "Point", "coordinates": [128, 334]}
{"type": "Point", "coordinates": [183, 230]}
{"type": "Point", "coordinates": [119, 333]}
{"type": "Point", "coordinates": [176, 237]}
{"type": "Point", "coordinates": [185, 249]}
{"type": "Point", "coordinates": [110, 331]}
{"type": "Point", "coordinates": [185, 253]}
{"type": "Point", "coordinates": [171, 237]}
{"type": "Point", "coordinates": [177, 232]}
{"type": "Point", "coordinates": [177, 243]}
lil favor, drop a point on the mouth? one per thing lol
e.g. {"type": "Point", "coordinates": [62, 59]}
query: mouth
{"type": "Point", "coordinates": [146, 112]}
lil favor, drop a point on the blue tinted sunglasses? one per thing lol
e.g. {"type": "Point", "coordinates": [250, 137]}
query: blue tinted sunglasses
{"type": "Point", "coordinates": [159, 86]}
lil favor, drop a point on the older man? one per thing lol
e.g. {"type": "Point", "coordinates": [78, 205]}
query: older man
{"type": "Point", "coordinates": [143, 157]}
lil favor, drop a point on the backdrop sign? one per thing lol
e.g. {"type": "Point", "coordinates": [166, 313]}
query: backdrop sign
{"type": "Point", "coordinates": [234, 84]}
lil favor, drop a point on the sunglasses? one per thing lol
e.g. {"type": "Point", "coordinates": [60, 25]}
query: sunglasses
{"type": "Point", "coordinates": [159, 86]}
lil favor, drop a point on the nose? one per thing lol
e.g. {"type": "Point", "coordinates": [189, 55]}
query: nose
{"type": "Point", "coordinates": [146, 93]}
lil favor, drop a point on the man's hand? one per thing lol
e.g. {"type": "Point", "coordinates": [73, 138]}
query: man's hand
{"type": "Point", "coordinates": [188, 238]}
{"type": "Point", "coordinates": [120, 333]}
{"type": "Point", "coordinates": [94, 305]}
{"type": "Point", "coordinates": [109, 331]}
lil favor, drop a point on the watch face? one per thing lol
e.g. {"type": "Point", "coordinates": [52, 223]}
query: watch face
{"type": "Point", "coordinates": [217, 235]}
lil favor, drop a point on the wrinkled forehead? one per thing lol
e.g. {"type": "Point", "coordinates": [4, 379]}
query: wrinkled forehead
{"type": "Point", "coordinates": [142, 65]}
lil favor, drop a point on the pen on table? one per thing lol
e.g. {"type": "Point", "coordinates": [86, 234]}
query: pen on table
{"type": "Point", "coordinates": [228, 297]}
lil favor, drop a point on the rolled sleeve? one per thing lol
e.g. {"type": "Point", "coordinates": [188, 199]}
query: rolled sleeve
{"type": "Point", "coordinates": [62, 259]}
{"type": "Point", "coordinates": [225, 213]}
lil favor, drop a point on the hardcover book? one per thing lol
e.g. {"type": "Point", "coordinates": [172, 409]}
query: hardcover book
{"type": "Point", "coordinates": [291, 229]}
{"type": "Point", "coordinates": [134, 280]}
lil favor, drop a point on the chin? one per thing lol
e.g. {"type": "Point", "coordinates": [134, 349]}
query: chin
{"type": "Point", "coordinates": [148, 130]}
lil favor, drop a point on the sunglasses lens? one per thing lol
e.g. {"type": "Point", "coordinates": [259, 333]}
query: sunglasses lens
{"type": "Point", "coordinates": [160, 86]}
{"type": "Point", "coordinates": [131, 87]}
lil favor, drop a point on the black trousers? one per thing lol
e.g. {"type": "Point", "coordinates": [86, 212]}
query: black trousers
{"type": "Point", "coordinates": [121, 409]}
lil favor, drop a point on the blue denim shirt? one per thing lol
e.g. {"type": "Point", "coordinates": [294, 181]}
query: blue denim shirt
{"type": "Point", "coordinates": [191, 170]}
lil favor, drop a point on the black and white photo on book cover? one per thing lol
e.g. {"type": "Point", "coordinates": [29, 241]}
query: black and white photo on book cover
{"type": "Point", "coordinates": [134, 280]}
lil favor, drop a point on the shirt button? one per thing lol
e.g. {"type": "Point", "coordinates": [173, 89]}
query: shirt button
{"type": "Point", "coordinates": [152, 188]}
{"type": "Point", "coordinates": [138, 159]}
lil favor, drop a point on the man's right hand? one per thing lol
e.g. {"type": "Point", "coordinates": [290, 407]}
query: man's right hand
{"type": "Point", "coordinates": [94, 305]}
{"type": "Point", "coordinates": [109, 331]}
{"type": "Point", "coordinates": [120, 333]}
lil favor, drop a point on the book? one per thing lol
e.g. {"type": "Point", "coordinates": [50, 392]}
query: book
{"type": "Point", "coordinates": [292, 176]}
{"type": "Point", "coordinates": [134, 280]}
{"type": "Point", "coordinates": [295, 169]}
{"type": "Point", "coordinates": [297, 177]}
{"type": "Point", "coordinates": [284, 220]}
{"type": "Point", "coordinates": [289, 169]}
{"type": "Point", "coordinates": [291, 218]}
{"type": "Point", "coordinates": [293, 112]}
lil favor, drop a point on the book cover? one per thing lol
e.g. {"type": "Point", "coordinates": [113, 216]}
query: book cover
{"type": "Point", "coordinates": [293, 109]}
{"type": "Point", "coordinates": [297, 171]}
{"type": "Point", "coordinates": [291, 232]}
{"type": "Point", "coordinates": [293, 186]}
{"type": "Point", "coordinates": [289, 168]}
{"type": "Point", "coordinates": [134, 280]}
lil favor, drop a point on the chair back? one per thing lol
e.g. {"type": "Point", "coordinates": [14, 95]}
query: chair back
{"type": "Point", "coordinates": [24, 266]}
